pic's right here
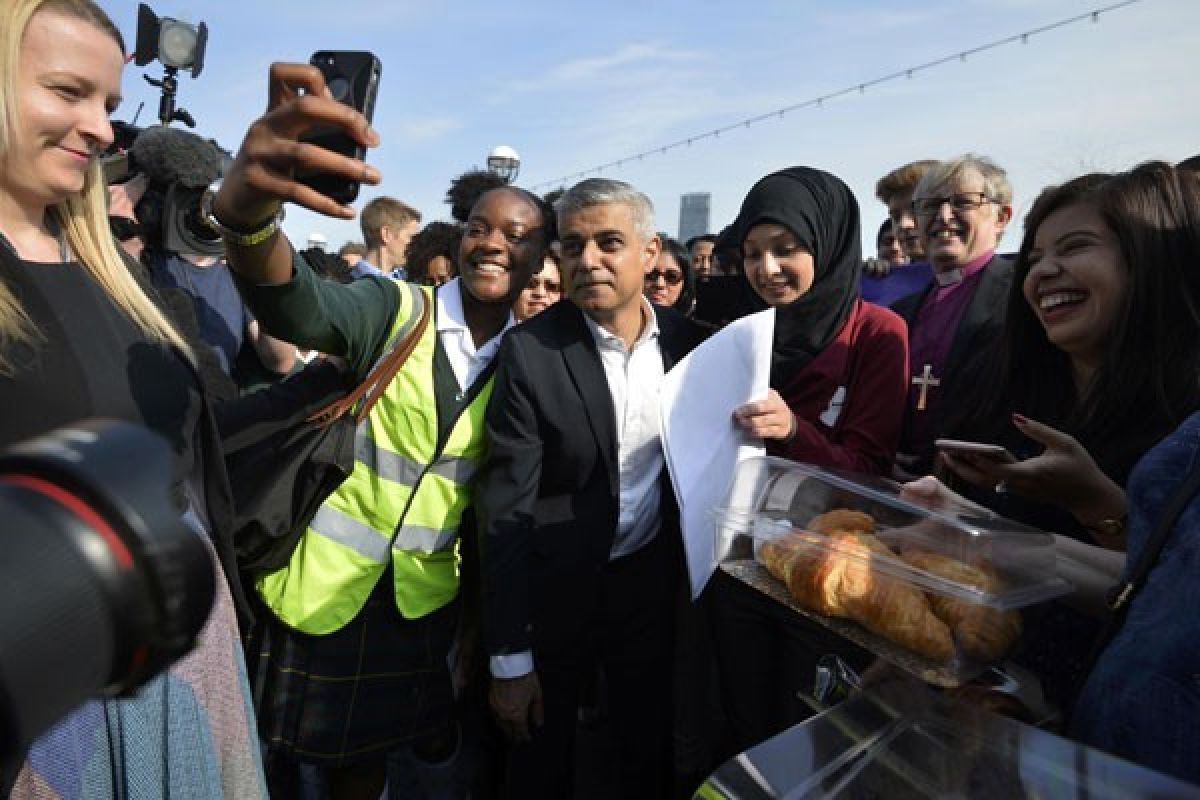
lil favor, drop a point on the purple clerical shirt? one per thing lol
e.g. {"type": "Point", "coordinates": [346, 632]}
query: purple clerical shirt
{"type": "Point", "coordinates": [930, 339]}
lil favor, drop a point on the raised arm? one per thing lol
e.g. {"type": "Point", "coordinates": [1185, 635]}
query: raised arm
{"type": "Point", "coordinates": [261, 177]}
{"type": "Point", "coordinates": [289, 301]}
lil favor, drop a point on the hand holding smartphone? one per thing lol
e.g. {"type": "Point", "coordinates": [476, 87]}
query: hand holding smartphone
{"type": "Point", "coordinates": [352, 77]}
{"type": "Point", "coordinates": [959, 447]}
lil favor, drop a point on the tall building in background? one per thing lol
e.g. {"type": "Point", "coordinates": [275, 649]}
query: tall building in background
{"type": "Point", "coordinates": [693, 214]}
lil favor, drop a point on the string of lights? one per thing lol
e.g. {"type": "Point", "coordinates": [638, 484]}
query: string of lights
{"type": "Point", "coordinates": [820, 100]}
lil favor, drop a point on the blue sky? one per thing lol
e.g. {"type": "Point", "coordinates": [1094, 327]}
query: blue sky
{"type": "Point", "coordinates": [572, 85]}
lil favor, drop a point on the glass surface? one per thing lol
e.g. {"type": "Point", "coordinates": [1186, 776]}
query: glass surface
{"type": "Point", "coordinates": [901, 740]}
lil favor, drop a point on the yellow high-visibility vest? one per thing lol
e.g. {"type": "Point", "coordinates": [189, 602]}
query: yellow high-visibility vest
{"type": "Point", "coordinates": [403, 501]}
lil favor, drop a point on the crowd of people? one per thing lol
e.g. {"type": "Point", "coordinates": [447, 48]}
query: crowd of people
{"type": "Point", "coordinates": [506, 550]}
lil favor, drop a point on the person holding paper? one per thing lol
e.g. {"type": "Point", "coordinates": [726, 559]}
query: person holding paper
{"type": "Point", "coordinates": [839, 376]}
{"type": "Point", "coordinates": [838, 364]}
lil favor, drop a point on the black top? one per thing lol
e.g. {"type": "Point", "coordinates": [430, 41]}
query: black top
{"type": "Point", "coordinates": [89, 360]}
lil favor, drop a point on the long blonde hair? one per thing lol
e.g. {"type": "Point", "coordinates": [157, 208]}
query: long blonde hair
{"type": "Point", "coordinates": [84, 216]}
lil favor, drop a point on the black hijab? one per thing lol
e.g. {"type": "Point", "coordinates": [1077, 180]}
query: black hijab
{"type": "Point", "coordinates": [822, 213]}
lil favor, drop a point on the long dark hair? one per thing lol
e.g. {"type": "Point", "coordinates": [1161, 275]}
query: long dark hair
{"type": "Point", "coordinates": [686, 302]}
{"type": "Point", "coordinates": [1149, 379]}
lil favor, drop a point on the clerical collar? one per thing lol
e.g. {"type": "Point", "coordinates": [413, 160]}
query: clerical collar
{"type": "Point", "coordinates": [949, 277]}
{"type": "Point", "coordinates": [959, 274]}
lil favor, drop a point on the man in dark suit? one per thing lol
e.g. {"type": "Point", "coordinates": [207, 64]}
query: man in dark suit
{"type": "Point", "coordinates": [961, 207]}
{"type": "Point", "coordinates": [579, 541]}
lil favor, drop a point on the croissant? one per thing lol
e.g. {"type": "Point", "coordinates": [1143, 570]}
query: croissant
{"type": "Point", "coordinates": [983, 633]}
{"type": "Point", "coordinates": [840, 582]}
{"type": "Point", "coordinates": [841, 519]}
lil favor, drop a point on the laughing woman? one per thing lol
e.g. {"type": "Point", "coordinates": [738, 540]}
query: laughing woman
{"type": "Point", "coordinates": [79, 338]}
{"type": "Point", "coordinates": [1098, 363]}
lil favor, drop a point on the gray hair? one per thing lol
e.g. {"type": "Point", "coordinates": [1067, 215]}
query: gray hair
{"type": "Point", "coordinates": [605, 191]}
{"type": "Point", "coordinates": [995, 179]}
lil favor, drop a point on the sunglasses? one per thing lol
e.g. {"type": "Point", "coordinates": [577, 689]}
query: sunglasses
{"type": "Point", "coordinates": [671, 276]}
{"type": "Point", "coordinates": [124, 228]}
{"type": "Point", "coordinates": [542, 283]}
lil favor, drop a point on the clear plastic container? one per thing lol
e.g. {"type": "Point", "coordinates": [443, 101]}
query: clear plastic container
{"type": "Point", "coordinates": [772, 498]}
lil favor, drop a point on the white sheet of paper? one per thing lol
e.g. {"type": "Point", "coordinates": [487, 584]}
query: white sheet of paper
{"type": "Point", "coordinates": [702, 443]}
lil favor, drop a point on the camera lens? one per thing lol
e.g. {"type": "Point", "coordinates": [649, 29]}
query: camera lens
{"type": "Point", "coordinates": [340, 89]}
{"type": "Point", "coordinates": [103, 584]}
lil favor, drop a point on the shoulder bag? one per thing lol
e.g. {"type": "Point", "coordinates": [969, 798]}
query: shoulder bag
{"type": "Point", "coordinates": [288, 469]}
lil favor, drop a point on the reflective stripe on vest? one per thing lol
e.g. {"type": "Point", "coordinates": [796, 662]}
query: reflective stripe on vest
{"type": "Point", "coordinates": [346, 530]}
{"type": "Point", "coordinates": [397, 468]}
{"type": "Point", "coordinates": [427, 540]}
{"type": "Point", "coordinates": [399, 502]}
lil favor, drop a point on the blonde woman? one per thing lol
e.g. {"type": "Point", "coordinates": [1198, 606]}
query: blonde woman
{"type": "Point", "coordinates": [80, 338]}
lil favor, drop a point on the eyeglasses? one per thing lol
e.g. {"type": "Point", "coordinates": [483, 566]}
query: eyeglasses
{"type": "Point", "coordinates": [671, 276]}
{"type": "Point", "coordinates": [541, 283]}
{"type": "Point", "coordinates": [959, 201]}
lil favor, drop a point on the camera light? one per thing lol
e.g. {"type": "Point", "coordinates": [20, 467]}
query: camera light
{"type": "Point", "coordinates": [176, 43]}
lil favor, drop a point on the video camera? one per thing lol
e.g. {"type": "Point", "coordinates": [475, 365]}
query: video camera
{"type": "Point", "coordinates": [179, 166]}
{"type": "Point", "coordinates": [102, 584]}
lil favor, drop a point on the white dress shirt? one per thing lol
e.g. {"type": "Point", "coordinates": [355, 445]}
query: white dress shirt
{"type": "Point", "coordinates": [634, 378]}
{"type": "Point", "coordinates": [457, 342]}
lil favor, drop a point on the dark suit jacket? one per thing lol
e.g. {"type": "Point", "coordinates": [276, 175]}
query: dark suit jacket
{"type": "Point", "coordinates": [547, 496]}
{"type": "Point", "coordinates": [980, 326]}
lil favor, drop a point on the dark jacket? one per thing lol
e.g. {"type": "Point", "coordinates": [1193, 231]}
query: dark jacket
{"type": "Point", "coordinates": [547, 498]}
{"type": "Point", "coordinates": [981, 325]}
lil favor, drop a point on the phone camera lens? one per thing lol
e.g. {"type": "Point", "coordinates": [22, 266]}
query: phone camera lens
{"type": "Point", "coordinates": [340, 89]}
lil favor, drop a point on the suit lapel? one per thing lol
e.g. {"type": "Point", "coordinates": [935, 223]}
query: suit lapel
{"type": "Point", "coordinates": [587, 372]}
{"type": "Point", "coordinates": [988, 303]}
{"type": "Point", "coordinates": [668, 343]}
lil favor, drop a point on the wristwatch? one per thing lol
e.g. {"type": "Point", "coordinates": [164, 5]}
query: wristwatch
{"type": "Point", "coordinates": [232, 235]}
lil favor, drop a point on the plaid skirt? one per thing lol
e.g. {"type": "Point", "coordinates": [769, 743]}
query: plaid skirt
{"type": "Point", "coordinates": [379, 683]}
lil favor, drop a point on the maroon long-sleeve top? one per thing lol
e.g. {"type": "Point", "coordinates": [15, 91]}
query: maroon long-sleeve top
{"type": "Point", "coordinates": [849, 400]}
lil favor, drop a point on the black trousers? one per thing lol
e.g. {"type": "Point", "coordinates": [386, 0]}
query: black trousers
{"type": "Point", "coordinates": [630, 637]}
{"type": "Point", "coordinates": [766, 656]}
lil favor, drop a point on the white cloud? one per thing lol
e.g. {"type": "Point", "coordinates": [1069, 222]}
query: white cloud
{"type": "Point", "coordinates": [602, 69]}
{"type": "Point", "coordinates": [424, 129]}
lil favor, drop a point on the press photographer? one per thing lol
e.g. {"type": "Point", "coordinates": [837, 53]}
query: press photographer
{"type": "Point", "coordinates": [183, 253]}
{"type": "Point", "coordinates": [80, 338]}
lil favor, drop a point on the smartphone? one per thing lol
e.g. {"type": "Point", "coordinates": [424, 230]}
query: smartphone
{"type": "Point", "coordinates": [353, 78]}
{"type": "Point", "coordinates": [959, 447]}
